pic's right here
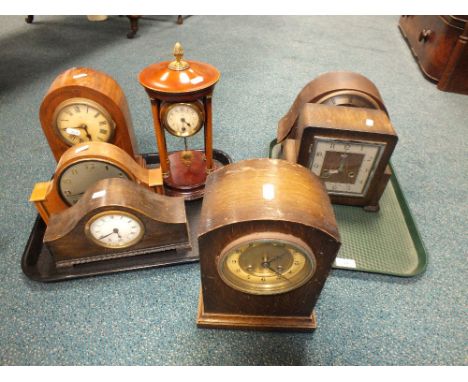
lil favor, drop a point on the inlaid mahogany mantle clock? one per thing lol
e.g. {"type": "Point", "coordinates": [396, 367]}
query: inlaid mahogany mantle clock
{"type": "Point", "coordinates": [180, 93]}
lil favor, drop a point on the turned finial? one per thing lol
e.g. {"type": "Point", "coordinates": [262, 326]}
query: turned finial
{"type": "Point", "coordinates": [178, 63]}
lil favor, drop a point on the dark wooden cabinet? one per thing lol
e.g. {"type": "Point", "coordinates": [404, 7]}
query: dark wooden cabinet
{"type": "Point", "coordinates": [439, 45]}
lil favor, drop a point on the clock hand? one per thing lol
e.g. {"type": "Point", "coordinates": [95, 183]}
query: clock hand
{"type": "Point", "coordinates": [115, 230]}
{"type": "Point", "coordinates": [274, 258]}
{"type": "Point", "coordinates": [184, 121]}
{"type": "Point", "coordinates": [342, 162]}
{"type": "Point", "coordinates": [278, 273]}
{"type": "Point", "coordinates": [87, 132]}
{"type": "Point", "coordinates": [104, 236]}
{"type": "Point", "coordinates": [72, 196]}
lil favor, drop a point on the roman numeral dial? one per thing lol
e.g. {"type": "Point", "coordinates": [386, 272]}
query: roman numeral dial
{"type": "Point", "coordinates": [79, 120]}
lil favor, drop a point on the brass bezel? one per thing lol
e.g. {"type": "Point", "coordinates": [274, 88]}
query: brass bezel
{"type": "Point", "coordinates": [246, 287]}
{"type": "Point", "coordinates": [85, 101]}
{"type": "Point", "coordinates": [90, 221]}
{"type": "Point", "coordinates": [167, 107]}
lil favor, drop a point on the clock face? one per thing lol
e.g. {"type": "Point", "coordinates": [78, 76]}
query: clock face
{"type": "Point", "coordinates": [346, 167]}
{"type": "Point", "coordinates": [115, 229]}
{"type": "Point", "coordinates": [75, 179]}
{"type": "Point", "coordinates": [79, 120]}
{"type": "Point", "coordinates": [266, 266]}
{"type": "Point", "coordinates": [183, 119]}
{"type": "Point", "coordinates": [349, 98]}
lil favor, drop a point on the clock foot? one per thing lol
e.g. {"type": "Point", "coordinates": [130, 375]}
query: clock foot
{"type": "Point", "coordinates": [373, 208]}
{"type": "Point", "coordinates": [243, 321]}
{"type": "Point", "coordinates": [29, 19]}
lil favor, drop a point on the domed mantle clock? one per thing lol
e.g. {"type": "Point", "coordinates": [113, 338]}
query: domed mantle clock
{"type": "Point", "coordinates": [180, 92]}
{"type": "Point", "coordinates": [267, 240]}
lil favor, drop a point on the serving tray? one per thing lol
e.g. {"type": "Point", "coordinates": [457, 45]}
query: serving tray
{"type": "Point", "coordinates": [386, 242]}
{"type": "Point", "coordinates": [37, 262]}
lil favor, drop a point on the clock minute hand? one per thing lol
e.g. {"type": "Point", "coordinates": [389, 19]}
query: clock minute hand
{"type": "Point", "coordinates": [278, 273]}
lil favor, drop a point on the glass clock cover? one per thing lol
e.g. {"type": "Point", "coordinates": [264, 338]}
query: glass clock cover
{"type": "Point", "coordinates": [115, 229]}
{"type": "Point", "coordinates": [79, 120]}
{"type": "Point", "coordinates": [346, 167]}
{"type": "Point", "coordinates": [266, 266]}
{"type": "Point", "coordinates": [75, 179]}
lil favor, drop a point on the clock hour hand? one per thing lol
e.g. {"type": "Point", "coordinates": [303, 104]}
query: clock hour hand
{"type": "Point", "coordinates": [274, 258]}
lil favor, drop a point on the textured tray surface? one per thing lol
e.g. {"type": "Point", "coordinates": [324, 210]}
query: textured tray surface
{"type": "Point", "coordinates": [383, 242]}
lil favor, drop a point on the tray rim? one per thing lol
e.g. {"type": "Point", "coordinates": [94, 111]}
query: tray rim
{"type": "Point", "coordinates": [410, 225]}
{"type": "Point", "coordinates": [186, 256]}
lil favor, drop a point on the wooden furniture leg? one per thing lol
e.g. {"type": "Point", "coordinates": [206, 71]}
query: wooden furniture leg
{"type": "Point", "coordinates": [29, 19]}
{"type": "Point", "coordinates": [133, 26]}
{"type": "Point", "coordinates": [180, 20]}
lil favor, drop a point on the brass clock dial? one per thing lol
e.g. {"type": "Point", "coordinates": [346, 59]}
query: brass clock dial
{"type": "Point", "coordinates": [115, 229]}
{"type": "Point", "coordinates": [345, 167]}
{"type": "Point", "coordinates": [79, 120]}
{"type": "Point", "coordinates": [77, 177]}
{"type": "Point", "coordinates": [183, 119]}
{"type": "Point", "coordinates": [268, 265]}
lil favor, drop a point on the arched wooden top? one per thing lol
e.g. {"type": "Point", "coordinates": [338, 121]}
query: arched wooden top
{"type": "Point", "coordinates": [266, 189]}
{"type": "Point", "coordinates": [122, 193]}
{"type": "Point", "coordinates": [324, 86]}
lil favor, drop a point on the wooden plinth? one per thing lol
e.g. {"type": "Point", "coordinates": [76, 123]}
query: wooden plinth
{"type": "Point", "coordinates": [187, 174]}
{"type": "Point", "coordinates": [238, 321]}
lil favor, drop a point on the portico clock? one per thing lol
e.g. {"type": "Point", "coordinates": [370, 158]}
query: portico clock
{"type": "Point", "coordinates": [84, 105]}
{"type": "Point", "coordinates": [83, 165]}
{"type": "Point", "coordinates": [180, 93]}
{"type": "Point", "coordinates": [267, 240]}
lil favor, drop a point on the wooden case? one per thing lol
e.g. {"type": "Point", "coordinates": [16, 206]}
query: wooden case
{"type": "Point", "coordinates": [440, 47]}
{"type": "Point", "coordinates": [46, 195]}
{"type": "Point", "coordinates": [95, 86]}
{"type": "Point", "coordinates": [235, 206]}
{"type": "Point", "coordinates": [349, 124]}
{"type": "Point", "coordinates": [163, 218]}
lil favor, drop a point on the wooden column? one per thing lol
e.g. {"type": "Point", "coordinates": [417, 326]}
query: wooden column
{"type": "Point", "coordinates": [209, 134]}
{"type": "Point", "coordinates": [160, 138]}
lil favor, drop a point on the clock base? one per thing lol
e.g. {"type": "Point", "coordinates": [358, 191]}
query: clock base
{"type": "Point", "coordinates": [187, 174]}
{"type": "Point", "coordinates": [251, 322]}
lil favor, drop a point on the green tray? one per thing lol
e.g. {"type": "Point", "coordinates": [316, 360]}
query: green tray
{"type": "Point", "coordinates": [386, 242]}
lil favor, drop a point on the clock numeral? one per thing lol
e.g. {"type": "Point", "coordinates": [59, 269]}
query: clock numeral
{"type": "Point", "coordinates": [97, 114]}
{"type": "Point", "coordinates": [103, 131]}
{"type": "Point", "coordinates": [319, 154]}
{"type": "Point", "coordinates": [347, 146]}
{"type": "Point", "coordinates": [332, 145]}
{"type": "Point", "coordinates": [77, 108]}
{"type": "Point", "coordinates": [102, 123]}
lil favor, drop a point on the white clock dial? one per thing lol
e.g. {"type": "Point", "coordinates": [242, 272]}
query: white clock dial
{"type": "Point", "coordinates": [346, 167]}
{"type": "Point", "coordinates": [81, 120]}
{"type": "Point", "coordinates": [115, 229]}
{"type": "Point", "coordinates": [183, 119]}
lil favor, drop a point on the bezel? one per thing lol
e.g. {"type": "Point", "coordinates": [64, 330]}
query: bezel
{"type": "Point", "coordinates": [252, 287]}
{"type": "Point", "coordinates": [343, 141]}
{"type": "Point", "coordinates": [85, 101]}
{"type": "Point", "coordinates": [91, 237]}
{"type": "Point", "coordinates": [75, 163]}
{"type": "Point", "coordinates": [167, 107]}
